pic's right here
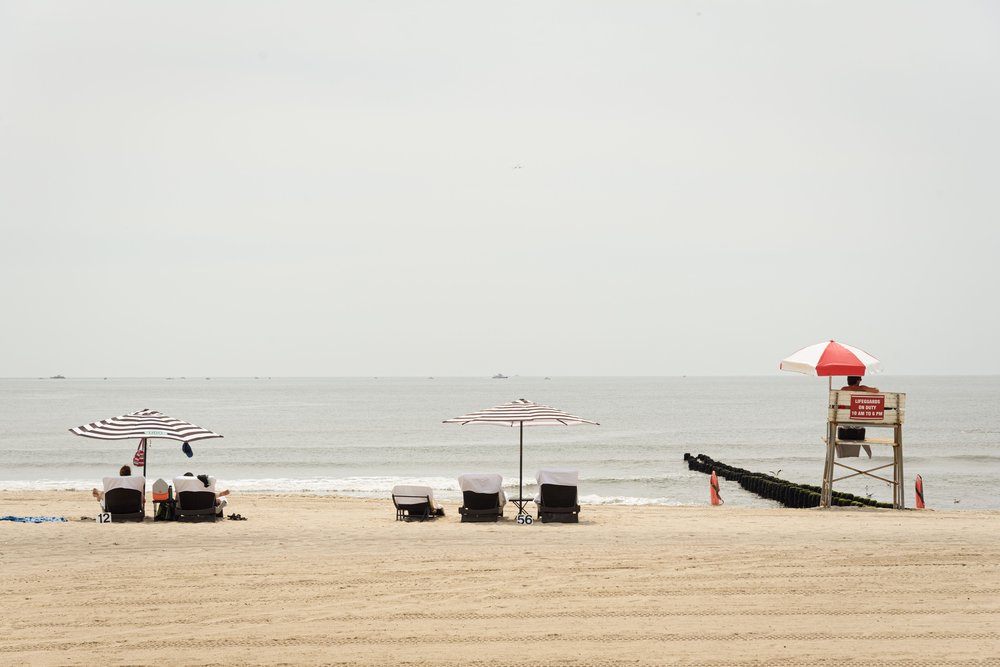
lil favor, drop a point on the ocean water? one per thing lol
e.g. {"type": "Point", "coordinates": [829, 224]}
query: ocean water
{"type": "Point", "coordinates": [361, 436]}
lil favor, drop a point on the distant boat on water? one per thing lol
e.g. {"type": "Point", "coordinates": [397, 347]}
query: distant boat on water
{"type": "Point", "coordinates": [58, 377]}
{"type": "Point", "coordinates": [499, 376]}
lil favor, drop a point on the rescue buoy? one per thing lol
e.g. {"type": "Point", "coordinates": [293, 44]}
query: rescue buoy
{"type": "Point", "coordinates": [920, 493]}
{"type": "Point", "coordinates": [716, 498]}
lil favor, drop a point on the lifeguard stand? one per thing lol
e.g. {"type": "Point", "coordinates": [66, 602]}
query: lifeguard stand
{"type": "Point", "coordinates": [868, 410]}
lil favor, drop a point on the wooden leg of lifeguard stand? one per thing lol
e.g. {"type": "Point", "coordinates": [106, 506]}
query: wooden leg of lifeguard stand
{"type": "Point", "coordinates": [897, 452]}
{"type": "Point", "coordinates": [826, 490]}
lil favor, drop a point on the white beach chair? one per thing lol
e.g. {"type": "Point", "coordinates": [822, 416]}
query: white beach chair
{"type": "Point", "coordinates": [125, 498]}
{"type": "Point", "coordinates": [195, 501]}
{"type": "Point", "coordinates": [557, 497]}
{"type": "Point", "coordinates": [415, 503]}
{"type": "Point", "coordinates": [482, 497]}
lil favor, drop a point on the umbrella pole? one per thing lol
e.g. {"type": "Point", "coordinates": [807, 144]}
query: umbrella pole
{"type": "Point", "coordinates": [145, 457]}
{"type": "Point", "coordinates": [520, 487]}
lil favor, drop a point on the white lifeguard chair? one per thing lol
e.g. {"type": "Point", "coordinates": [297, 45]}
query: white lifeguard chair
{"type": "Point", "coordinates": [866, 410]}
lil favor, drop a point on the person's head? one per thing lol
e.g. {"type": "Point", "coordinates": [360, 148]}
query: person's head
{"type": "Point", "coordinates": [189, 474]}
{"type": "Point", "coordinates": [853, 380]}
{"type": "Point", "coordinates": [125, 471]}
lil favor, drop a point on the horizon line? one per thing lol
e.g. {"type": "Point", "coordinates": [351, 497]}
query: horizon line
{"type": "Point", "coordinates": [433, 377]}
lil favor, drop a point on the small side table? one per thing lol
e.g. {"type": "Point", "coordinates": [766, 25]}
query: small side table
{"type": "Point", "coordinates": [520, 504]}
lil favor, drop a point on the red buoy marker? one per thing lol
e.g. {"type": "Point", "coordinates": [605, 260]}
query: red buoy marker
{"type": "Point", "coordinates": [716, 498]}
{"type": "Point", "coordinates": [920, 493]}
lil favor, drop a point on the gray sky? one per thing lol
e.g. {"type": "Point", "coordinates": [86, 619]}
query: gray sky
{"type": "Point", "coordinates": [461, 188]}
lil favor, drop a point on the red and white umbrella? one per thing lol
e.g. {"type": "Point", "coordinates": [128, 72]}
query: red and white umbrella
{"type": "Point", "coordinates": [831, 358]}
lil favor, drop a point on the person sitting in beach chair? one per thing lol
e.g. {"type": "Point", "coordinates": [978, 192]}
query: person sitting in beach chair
{"type": "Point", "coordinates": [482, 497]}
{"type": "Point", "coordinates": [557, 496]}
{"type": "Point", "coordinates": [415, 503]}
{"type": "Point", "coordinates": [124, 471]}
{"type": "Point", "coordinates": [197, 499]}
{"type": "Point", "coordinates": [124, 496]}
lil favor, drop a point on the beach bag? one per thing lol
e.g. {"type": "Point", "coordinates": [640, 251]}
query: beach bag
{"type": "Point", "coordinates": [166, 510]}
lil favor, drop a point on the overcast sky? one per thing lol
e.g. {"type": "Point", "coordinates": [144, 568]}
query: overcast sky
{"type": "Point", "coordinates": [461, 188]}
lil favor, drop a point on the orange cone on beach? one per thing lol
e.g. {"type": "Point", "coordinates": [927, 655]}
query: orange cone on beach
{"type": "Point", "coordinates": [716, 498]}
{"type": "Point", "coordinates": [920, 493]}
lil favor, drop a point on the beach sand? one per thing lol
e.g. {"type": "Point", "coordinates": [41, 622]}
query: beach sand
{"type": "Point", "coordinates": [312, 580]}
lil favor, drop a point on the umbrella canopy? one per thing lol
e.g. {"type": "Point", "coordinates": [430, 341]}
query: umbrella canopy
{"type": "Point", "coordinates": [520, 413]}
{"type": "Point", "coordinates": [144, 424]}
{"type": "Point", "coordinates": [831, 358]}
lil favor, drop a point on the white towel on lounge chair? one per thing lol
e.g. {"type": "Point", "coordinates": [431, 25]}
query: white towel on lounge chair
{"type": "Point", "coordinates": [560, 476]}
{"type": "Point", "coordinates": [192, 484]}
{"type": "Point", "coordinates": [411, 494]}
{"type": "Point", "coordinates": [483, 483]}
{"type": "Point", "coordinates": [137, 482]}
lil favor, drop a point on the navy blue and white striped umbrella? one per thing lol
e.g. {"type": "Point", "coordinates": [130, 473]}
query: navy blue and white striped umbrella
{"type": "Point", "coordinates": [520, 413]}
{"type": "Point", "coordinates": [144, 424]}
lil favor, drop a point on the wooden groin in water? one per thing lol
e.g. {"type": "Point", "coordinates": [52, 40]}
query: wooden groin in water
{"type": "Point", "coordinates": [787, 493]}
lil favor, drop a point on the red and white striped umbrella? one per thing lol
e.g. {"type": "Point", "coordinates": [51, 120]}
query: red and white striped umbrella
{"type": "Point", "coordinates": [831, 358]}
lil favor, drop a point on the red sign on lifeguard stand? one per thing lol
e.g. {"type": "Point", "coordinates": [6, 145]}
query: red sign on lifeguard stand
{"type": "Point", "coordinates": [867, 406]}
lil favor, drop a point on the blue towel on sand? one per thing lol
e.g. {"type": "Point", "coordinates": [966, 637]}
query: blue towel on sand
{"type": "Point", "coordinates": [32, 519]}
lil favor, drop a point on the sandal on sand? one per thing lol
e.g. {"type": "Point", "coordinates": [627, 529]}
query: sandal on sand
{"type": "Point", "coordinates": [237, 517]}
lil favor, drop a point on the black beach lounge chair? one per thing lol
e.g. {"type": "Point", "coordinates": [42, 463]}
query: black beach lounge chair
{"type": "Point", "coordinates": [123, 498]}
{"type": "Point", "coordinates": [195, 501]}
{"type": "Point", "coordinates": [415, 503]}
{"type": "Point", "coordinates": [557, 496]}
{"type": "Point", "coordinates": [482, 497]}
